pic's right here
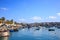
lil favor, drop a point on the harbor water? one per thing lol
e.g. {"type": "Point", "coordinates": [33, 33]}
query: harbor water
{"type": "Point", "coordinates": [34, 34]}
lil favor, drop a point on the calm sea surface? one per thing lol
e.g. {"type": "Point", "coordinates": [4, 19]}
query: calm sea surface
{"type": "Point", "coordinates": [33, 34]}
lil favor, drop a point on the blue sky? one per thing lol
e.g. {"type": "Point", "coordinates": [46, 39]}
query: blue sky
{"type": "Point", "coordinates": [31, 10]}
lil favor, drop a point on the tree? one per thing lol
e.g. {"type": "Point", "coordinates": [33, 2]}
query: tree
{"type": "Point", "coordinates": [3, 18]}
{"type": "Point", "coordinates": [11, 20]}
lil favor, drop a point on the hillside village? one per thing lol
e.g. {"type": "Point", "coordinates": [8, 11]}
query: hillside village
{"type": "Point", "coordinates": [36, 24]}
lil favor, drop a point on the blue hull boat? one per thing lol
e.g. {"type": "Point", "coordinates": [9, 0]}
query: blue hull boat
{"type": "Point", "coordinates": [11, 30]}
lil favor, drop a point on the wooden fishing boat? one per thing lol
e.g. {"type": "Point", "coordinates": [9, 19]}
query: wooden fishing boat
{"type": "Point", "coordinates": [5, 33]}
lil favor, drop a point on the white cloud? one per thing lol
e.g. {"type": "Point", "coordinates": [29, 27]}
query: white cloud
{"type": "Point", "coordinates": [3, 9]}
{"type": "Point", "coordinates": [22, 19]}
{"type": "Point", "coordinates": [52, 17]}
{"type": "Point", "coordinates": [58, 14]}
{"type": "Point", "coordinates": [36, 18]}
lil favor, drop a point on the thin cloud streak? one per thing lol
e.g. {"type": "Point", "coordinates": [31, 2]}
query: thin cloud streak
{"type": "Point", "coordinates": [52, 17]}
{"type": "Point", "coordinates": [58, 14]}
{"type": "Point", "coordinates": [3, 9]}
{"type": "Point", "coordinates": [36, 18]}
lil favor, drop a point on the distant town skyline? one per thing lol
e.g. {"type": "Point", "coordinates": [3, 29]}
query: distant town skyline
{"type": "Point", "coordinates": [30, 10]}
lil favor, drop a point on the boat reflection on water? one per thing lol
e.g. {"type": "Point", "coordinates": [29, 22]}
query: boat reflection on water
{"type": "Point", "coordinates": [4, 38]}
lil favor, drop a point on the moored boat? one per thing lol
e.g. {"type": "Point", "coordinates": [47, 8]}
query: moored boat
{"type": "Point", "coordinates": [15, 30]}
{"type": "Point", "coordinates": [5, 33]}
{"type": "Point", "coordinates": [4, 30]}
{"type": "Point", "coordinates": [51, 29]}
{"type": "Point", "coordinates": [11, 30]}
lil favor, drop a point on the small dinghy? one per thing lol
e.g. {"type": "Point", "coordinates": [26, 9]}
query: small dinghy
{"type": "Point", "coordinates": [51, 29]}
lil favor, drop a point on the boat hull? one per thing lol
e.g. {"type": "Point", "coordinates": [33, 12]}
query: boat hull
{"type": "Point", "coordinates": [5, 34]}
